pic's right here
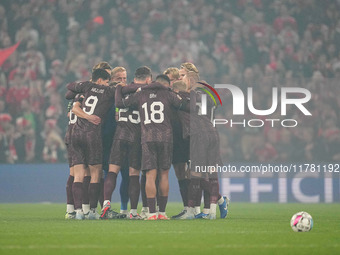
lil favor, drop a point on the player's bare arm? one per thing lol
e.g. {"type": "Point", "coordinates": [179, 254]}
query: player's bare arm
{"type": "Point", "coordinates": [76, 109]}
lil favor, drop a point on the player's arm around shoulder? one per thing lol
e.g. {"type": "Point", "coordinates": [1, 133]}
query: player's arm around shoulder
{"type": "Point", "coordinates": [130, 88]}
{"type": "Point", "coordinates": [127, 101]}
{"type": "Point", "coordinates": [178, 101]}
{"type": "Point", "coordinates": [70, 95]}
{"type": "Point", "coordinates": [79, 87]}
{"type": "Point", "coordinates": [76, 109]}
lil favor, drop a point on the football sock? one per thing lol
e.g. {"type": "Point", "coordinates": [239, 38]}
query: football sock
{"type": "Point", "coordinates": [134, 190]}
{"type": "Point", "coordinates": [206, 210]}
{"type": "Point", "coordinates": [213, 190]}
{"type": "Point", "coordinates": [69, 195]}
{"type": "Point", "coordinates": [94, 190]}
{"type": "Point", "coordinates": [69, 208]}
{"type": "Point", "coordinates": [162, 203]}
{"type": "Point", "coordinates": [206, 197]}
{"type": "Point", "coordinates": [157, 191]}
{"type": "Point", "coordinates": [218, 190]}
{"type": "Point", "coordinates": [212, 208]}
{"type": "Point", "coordinates": [152, 204]}
{"type": "Point", "coordinates": [109, 185]}
{"type": "Point", "coordinates": [124, 212]}
{"type": "Point", "coordinates": [101, 193]}
{"type": "Point", "coordinates": [198, 198]}
{"type": "Point", "coordinates": [183, 188]}
{"type": "Point", "coordinates": [123, 205]}
{"type": "Point", "coordinates": [77, 193]}
{"type": "Point", "coordinates": [133, 211]}
{"type": "Point", "coordinates": [142, 190]}
{"type": "Point", "coordinates": [86, 208]}
{"type": "Point", "coordinates": [85, 195]}
{"type": "Point", "coordinates": [194, 190]}
{"type": "Point", "coordinates": [206, 194]}
{"type": "Point", "coordinates": [191, 211]}
{"type": "Point", "coordinates": [124, 188]}
{"type": "Point", "coordinates": [197, 210]}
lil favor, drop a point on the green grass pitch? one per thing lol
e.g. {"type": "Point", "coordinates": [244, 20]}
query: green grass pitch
{"type": "Point", "coordinates": [249, 229]}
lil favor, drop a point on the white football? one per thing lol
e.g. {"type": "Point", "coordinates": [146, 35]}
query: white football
{"type": "Point", "coordinates": [301, 222]}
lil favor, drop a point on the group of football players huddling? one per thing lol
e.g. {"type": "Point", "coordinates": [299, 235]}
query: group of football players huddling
{"type": "Point", "coordinates": [140, 129]}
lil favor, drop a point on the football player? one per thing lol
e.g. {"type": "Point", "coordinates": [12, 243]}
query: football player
{"type": "Point", "coordinates": [204, 151]}
{"type": "Point", "coordinates": [86, 138]}
{"type": "Point", "coordinates": [126, 149]}
{"type": "Point", "coordinates": [154, 103]}
{"type": "Point", "coordinates": [118, 75]}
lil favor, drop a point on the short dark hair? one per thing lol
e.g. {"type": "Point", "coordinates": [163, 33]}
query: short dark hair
{"type": "Point", "coordinates": [142, 73]}
{"type": "Point", "coordinates": [100, 73]}
{"type": "Point", "coordinates": [162, 78]}
{"type": "Point", "coordinates": [102, 65]}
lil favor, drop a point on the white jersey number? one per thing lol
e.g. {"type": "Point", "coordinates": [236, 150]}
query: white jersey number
{"type": "Point", "coordinates": [90, 104]}
{"type": "Point", "coordinates": [133, 117]}
{"type": "Point", "coordinates": [157, 115]}
{"type": "Point", "coordinates": [72, 118]}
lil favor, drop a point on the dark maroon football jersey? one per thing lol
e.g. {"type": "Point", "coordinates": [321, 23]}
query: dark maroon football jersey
{"type": "Point", "coordinates": [204, 139]}
{"type": "Point", "coordinates": [128, 123]}
{"type": "Point", "coordinates": [210, 109]}
{"type": "Point", "coordinates": [193, 123]}
{"type": "Point", "coordinates": [154, 103]}
{"type": "Point", "coordinates": [184, 117]}
{"type": "Point", "coordinates": [176, 126]}
{"type": "Point", "coordinates": [97, 100]}
{"type": "Point", "coordinates": [198, 122]}
{"type": "Point", "coordinates": [72, 119]}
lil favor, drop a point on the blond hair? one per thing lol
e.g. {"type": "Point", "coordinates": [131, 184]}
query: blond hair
{"type": "Point", "coordinates": [189, 67]}
{"type": "Point", "coordinates": [174, 71]}
{"type": "Point", "coordinates": [117, 69]}
{"type": "Point", "coordinates": [193, 77]}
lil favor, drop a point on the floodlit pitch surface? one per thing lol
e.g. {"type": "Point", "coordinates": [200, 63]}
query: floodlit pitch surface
{"type": "Point", "coordinates": [249, 229]}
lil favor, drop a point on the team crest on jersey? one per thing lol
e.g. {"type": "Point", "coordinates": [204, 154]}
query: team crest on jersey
{"type": "Point", "coordinates": [152, 95]}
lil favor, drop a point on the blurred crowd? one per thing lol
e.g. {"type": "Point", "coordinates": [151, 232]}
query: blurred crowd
{"type": "Point", "coordinates": [249, 43]}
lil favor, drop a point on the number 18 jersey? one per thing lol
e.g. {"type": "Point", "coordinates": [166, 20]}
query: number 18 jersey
{"type": "Point", "coordinates": [155, 103]}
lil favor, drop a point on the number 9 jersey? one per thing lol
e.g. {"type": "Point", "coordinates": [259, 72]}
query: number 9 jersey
{"type": "Point", "coordinates": [86, 140]}
{"type": "Point", "coordinates": [97, 101]}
